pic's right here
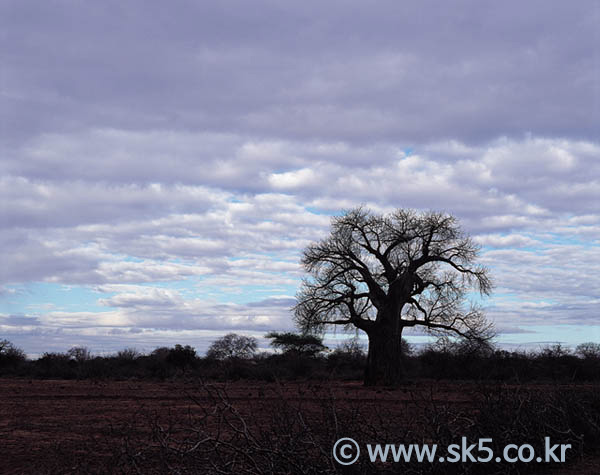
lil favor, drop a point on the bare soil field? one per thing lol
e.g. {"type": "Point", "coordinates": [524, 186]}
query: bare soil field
{"type": "Point", "coordinates": [69, 426]}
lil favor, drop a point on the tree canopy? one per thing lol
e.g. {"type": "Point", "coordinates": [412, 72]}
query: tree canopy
{"type": "Point", "coordinates": [294, 343]}
{"type": "Point", "coordinates": [231, 346]}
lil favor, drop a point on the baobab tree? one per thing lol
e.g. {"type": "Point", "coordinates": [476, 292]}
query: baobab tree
{"type": "Point", "coordinates": [384, 273]}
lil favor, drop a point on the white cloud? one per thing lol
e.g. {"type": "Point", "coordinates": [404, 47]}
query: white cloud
{"type": "Point", "coordinates": [192, 156]}
{"type": "Point", "coordinates": [293, 179]}
{"type": "Point", "coordinates": [510, 241]}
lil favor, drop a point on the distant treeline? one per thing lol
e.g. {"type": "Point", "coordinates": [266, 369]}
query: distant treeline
{"type": "Point", "coordinates": [235, 357]}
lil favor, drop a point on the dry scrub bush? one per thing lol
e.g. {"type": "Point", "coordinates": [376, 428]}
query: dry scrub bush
{"type": "Point", "coordinates": [287, 432]}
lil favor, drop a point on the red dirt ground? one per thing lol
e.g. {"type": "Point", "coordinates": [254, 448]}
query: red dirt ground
{"type": "Point", "coordinates": [49, 426]}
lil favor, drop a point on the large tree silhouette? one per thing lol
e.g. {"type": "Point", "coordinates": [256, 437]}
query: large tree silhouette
{"type": "Point", "coordinates": [384, 273]}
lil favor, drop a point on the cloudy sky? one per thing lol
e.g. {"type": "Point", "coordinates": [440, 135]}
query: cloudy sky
{"type": "Point", "coordinates": [163, 164]}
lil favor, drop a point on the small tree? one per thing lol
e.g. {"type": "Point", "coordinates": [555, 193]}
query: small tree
{"type": "Point", "coordinates": [232, 346]}
{"type": "Point", "coordinates": [10, 355]}
{"type": "Point", "coordinates": [588, 350]}
{"type": "Point", "coordinates": [79, 354]}
{"type": "Point", "coordinates": [384, 273]}
{"type": "Point", "coordinates": [298, 344]}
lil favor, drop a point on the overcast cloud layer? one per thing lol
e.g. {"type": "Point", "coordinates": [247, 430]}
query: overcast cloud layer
{"type": "Point", "coordinates": [163, 164]}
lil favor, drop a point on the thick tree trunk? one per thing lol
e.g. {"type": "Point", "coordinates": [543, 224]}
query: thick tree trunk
{"type": "Point", "coordinates": [384, 360]}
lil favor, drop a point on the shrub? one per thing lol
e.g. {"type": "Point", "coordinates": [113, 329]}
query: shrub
{"type": "Point", "coordinates": [56, 365]}
{"type": "Point", "coordinates": [128, 354]}
{"type": "Point", "coordinates": [588, 350]}
{"type": "Point", "coordinates": [181, 357]}
{"type": "Point", "coordinates": [554, 351]}
{"type": "Point", "coordinates": [348, 360]}
{"type": "Point", "coordinates": [10, 355]}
